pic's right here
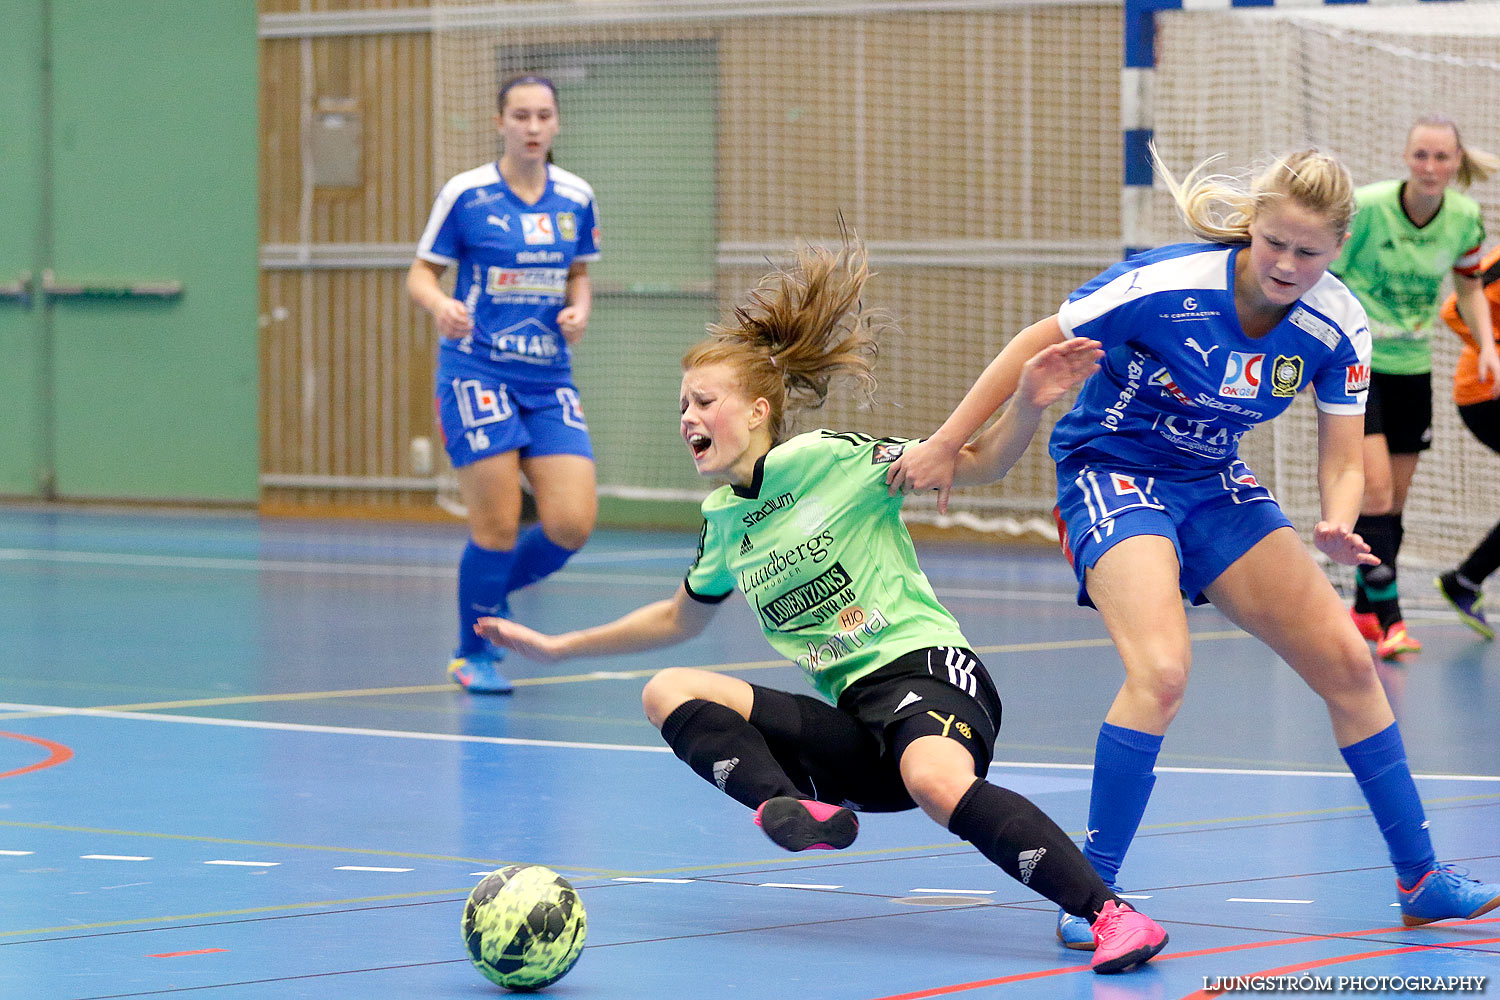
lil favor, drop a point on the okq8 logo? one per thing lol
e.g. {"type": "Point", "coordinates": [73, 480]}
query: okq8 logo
{"type": "Point", "coordinates": [1242, 375]}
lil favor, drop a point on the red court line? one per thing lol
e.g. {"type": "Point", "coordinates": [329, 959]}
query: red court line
{"type": "Point", "coordinates": [179, 954]}
{"type": "Point", "coordinates": [1287, 970]}
{"type": "Point", "coordinates": [57, 754]}
{"type": "Point", "coordinates": [980, 984]}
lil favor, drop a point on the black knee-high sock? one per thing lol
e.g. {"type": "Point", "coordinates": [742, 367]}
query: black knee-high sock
{"type": "Point", "coordinates": [726, 751]}
{"type": "Point", "coordinates": [1377, 584]}
{"type": "Point", "coordinates": [1020, 838]}
{"type": "Point", "coordinates": [1484, 560]}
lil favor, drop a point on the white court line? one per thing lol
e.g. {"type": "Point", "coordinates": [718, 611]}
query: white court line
{"type": "Point", "coordinates": [16, 854]}
{"type": "Point", "coordinates": [796, 885]}
{"type": "Point", "coordinates": [113, 857]}
{"type": "Point", "coordinates": [298, 727]}
{"type": "Point", "coordinates": [1252, 899]}
{"type": "Point", "coordinates": [368, 868]}
{"type": "Point", "coordinates": [246, 864]}
{"type": "Point", "coordinates": [957, 892]}
{"type": "Point", "coordinates": [665, 881]}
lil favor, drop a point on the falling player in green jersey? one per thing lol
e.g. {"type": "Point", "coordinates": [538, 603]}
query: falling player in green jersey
{"type": "Point", "coordinates": [806, 529]}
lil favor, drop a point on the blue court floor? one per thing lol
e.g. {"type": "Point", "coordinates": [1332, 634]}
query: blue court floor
{"type": "Point", "coordinates": [231, 767]}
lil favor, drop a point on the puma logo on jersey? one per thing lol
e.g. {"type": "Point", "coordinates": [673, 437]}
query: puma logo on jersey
{"type": "Point", "coordinates": [1193, 343]}
{"type": "Point", "coordinates": [1029, 861]}
{"type": "Point", "coordinates": [502, 221]}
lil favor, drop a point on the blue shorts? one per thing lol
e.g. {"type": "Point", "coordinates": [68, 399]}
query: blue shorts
{"type": "Point", "coordinates": [481, 416]}
{"type": "Point", "coordinates": [1211, 520]}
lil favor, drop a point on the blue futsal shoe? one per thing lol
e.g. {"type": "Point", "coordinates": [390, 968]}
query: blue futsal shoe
{"type": "Point", "coordinates": [1446, 893]}
{"type": "Point", "coordinates": [1076, 932]}
{"type": "Point", "coordinates": [479, 673]}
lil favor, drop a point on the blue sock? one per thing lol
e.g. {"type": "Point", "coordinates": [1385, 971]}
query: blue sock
{"type": "Point", "coordinates": [482, 576]}
{"type": "Point", "coordinates": [1124, 760]}
{"type": "Point", "coordinates": [536, 556]}
{"type": "Point", "coordinates": [1379, 765]}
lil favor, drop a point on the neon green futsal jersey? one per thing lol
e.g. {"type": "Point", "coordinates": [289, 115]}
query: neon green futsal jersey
{"type": "Point", "coordinates": [819, 551]}
{"type": "Point", "coordinates": [1396, 269]}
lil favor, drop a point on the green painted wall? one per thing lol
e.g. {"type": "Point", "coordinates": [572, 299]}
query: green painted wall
{"type": "Point", "coordinates": [151, 175]}
{"type": "Point", "coordinates": [21, 359]}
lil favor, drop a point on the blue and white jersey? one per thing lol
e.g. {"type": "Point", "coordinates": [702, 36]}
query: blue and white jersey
{"type": "Point", "coordinates": [1180, 382]}
{"type": "Point", "coordinates": [513, 261]}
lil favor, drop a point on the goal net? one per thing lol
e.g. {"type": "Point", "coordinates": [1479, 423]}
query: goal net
{"type": "Point", "coordinates": [1349, 79]}
{"type": "Point", "coordinates": [965, 142]}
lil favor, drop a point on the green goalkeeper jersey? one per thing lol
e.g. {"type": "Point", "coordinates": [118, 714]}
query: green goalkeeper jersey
{"type": "Point", "coordinates": [820, 553]}
{"type": "Point", "coordinates": [1396, 269]}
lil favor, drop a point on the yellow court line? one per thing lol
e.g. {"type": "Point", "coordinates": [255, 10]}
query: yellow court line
{"type": "Point", "coordinates": [596, 675]}
{"type": "Point", "coordinates": [220, 914]}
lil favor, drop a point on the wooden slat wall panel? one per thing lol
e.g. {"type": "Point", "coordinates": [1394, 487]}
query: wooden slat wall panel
{"type": "Point", "coordinates": [990, 139]}
{"type": "Point", "coordinates": [346, 358]}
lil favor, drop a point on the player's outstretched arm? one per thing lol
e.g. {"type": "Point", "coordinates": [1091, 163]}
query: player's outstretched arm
{"type": "Point", "coordinates": [662, 623]}
{"type": "Point", "coordinates": [1045, 377]}
{"type": "Point", "coordinates": [930, 464]}
{"type": "Point", "coordinates": [1341, 486]}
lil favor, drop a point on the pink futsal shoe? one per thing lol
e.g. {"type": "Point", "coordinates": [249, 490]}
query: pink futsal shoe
{"type": "Point", "coordinates": [1368, 623]}
{"type": "Point", "coordinates": [806, 824]}
{"type": "Point", "coordinates": [1125, 938]}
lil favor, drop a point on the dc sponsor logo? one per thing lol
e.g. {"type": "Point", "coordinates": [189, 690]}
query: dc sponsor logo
{"type": "Point", "coordinates": [567, 226]}
{"type": "Point", "coordinates": [595, 234]}
{"type": "Point", "coordinates": [886, 452]}
{"type": "Point", "coordinates": [745, 545]}
{"type": "Point", "coordinates": [1029, 860]}
{"type": "Point", "coordinates": [1286, 375]}
{"type": "Point", "coordinates": [1245, 478]}
{"type": "Point", "coordinates": [1242, 377]}
{"type": "Point", "coordinates": [722, 770]}
{"type": "Point", "coordinates": [1356, 379]}
{"type": "Point", "coordinates": [503, 221]}
{"type": "Point", "coordinates": [536, 227]}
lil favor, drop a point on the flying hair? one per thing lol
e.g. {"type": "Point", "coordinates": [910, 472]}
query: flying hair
{"type": "Point", "coordinates": [801, 328]}
{"type": "Point", "coordinates": [1220, 207]}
